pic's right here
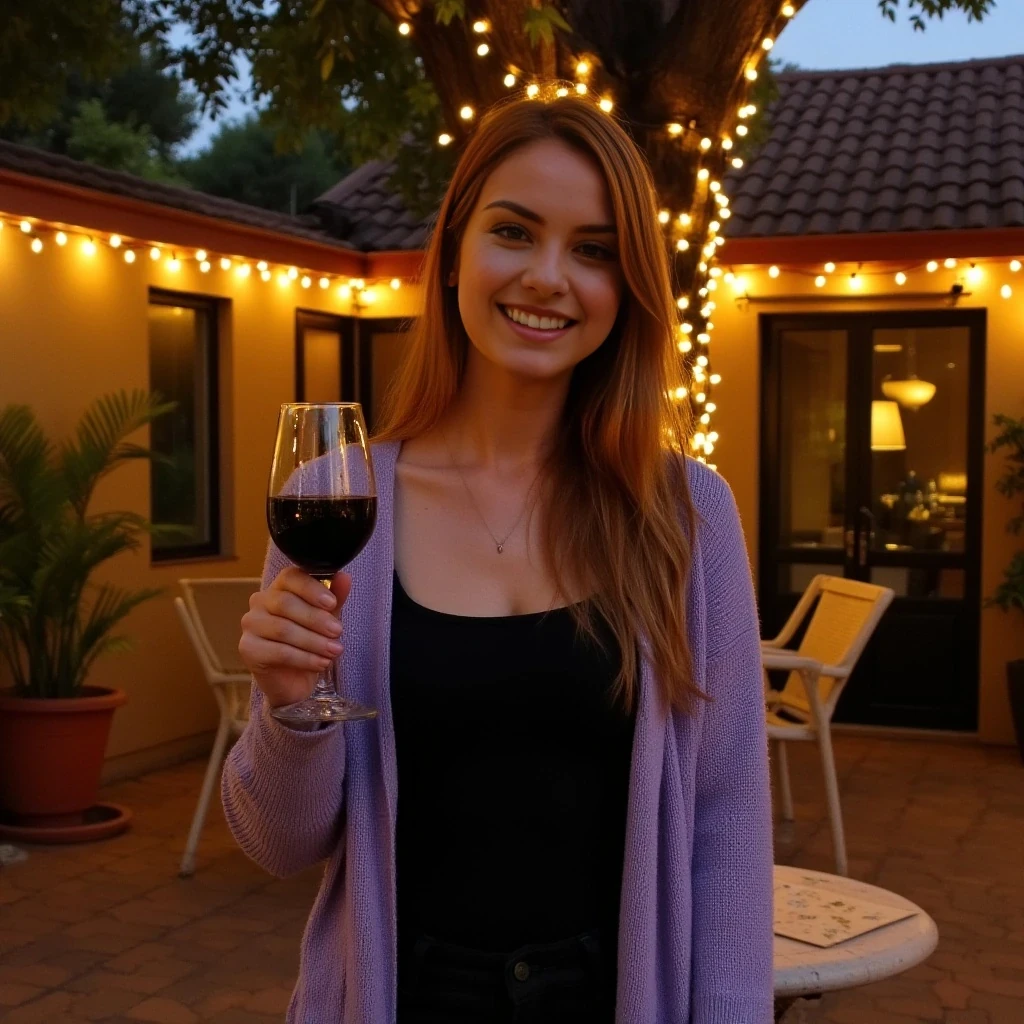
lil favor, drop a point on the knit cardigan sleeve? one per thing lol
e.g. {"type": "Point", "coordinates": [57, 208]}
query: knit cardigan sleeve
{"type": "Point", "coordinates": [282, 787]}
{"type": "Point", "coordinates": [732, 852]}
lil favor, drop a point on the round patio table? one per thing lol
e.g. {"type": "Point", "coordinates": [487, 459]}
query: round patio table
{"type": "Point", "coordinates": [802, 969]}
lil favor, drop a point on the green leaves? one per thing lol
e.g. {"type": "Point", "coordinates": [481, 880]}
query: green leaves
{"type": "Point", "coordinates": [53, 622]}
{"type": "Point", "coordinates": [919, 11]}
{"type": "Point", "coordinates": [445, 11]}
{"type": "Point", "coordinates": [540, 23]}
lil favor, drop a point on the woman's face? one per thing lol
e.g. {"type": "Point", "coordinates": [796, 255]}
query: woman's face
{"type": "Point", "coordinates": [538, 269]}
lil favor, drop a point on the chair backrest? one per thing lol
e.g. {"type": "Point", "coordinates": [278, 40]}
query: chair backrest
{"type": "Point", "coordinates": [212, 610]}
{"type": "Point", "coordinates": [843, 620]}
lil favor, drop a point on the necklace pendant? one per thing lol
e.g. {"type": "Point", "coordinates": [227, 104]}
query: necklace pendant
{"type": "Point", "coordinates": [500, 548]}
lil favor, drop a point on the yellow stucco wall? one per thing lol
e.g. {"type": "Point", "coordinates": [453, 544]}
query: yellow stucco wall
{"type": "Point", "coordinates": [74, 327]}
{"type": "Point", "coordinates": [736, 356]}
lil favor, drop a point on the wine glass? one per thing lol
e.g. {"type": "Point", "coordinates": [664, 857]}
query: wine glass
{"type": "Point", "coordinates": [321, 511]}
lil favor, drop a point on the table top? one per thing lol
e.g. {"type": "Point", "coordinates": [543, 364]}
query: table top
{"type": "Point", "coordinates": [802, 969]}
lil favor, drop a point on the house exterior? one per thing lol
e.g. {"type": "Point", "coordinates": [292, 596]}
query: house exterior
{"type": "Point", "coordinates": [118, 283]}
{"type": "Point", "coordinates": [869, 323]}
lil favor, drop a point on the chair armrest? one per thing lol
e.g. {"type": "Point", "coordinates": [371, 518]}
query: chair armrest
{"type": "Point", "coordinates": [791, 661]}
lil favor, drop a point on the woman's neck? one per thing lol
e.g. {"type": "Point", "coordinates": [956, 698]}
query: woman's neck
{"type": "Point", "coordinates": [503, 422]}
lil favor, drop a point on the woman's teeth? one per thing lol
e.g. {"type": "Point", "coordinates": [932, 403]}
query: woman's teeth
{"type": "Point", "coordinates": [542, 323]}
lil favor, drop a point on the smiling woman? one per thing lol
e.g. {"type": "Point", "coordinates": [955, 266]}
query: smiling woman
{"type": "Point", "coordinates": [552, 594]}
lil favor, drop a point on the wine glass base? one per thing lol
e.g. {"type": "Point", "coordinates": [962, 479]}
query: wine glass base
{"type": "Point", "coordinates": [324, 709]}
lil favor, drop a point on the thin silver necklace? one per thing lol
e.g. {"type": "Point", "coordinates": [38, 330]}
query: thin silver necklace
{"type": "Point", "coordinates": [499, 544]}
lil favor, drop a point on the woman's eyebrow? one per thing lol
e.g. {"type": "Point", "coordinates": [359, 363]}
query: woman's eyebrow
{"type": "Point", "coordinates": [536, 218]}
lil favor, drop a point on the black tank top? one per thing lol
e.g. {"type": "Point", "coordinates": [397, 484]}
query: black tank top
{"type": "Point", "coordinates": [513, 777]}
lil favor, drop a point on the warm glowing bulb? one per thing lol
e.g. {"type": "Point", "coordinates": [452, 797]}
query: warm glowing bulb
{"type": "Point", "coordinates": [405, 28]}
{"type": "Point", "coordinates": [1006, 291]}
{"type": "Point", "coordinates": [324, 282]}
{"type": "Point", "coordinates": [225, 263]}
{"type": "Point", "coordinates": [482, 50]}
{"type": "Point", "coordinates": [466, 113]}
{"type": "Point", "coordinates": [345, 291]}
{"type": "Point", "coordinates": [154, 253]}
{"type": "Point", "coordinates": [1015, 265]}
{"type": "Point", "coordinates": [686, 327]}
{"type": "Point", "coordinates": [174, 264]}
{"type": "Point", "coordinates": [396, 283]}
{"type": "Point", "coordinates": [606, 105]}
{"type": "Point", "coordinates": [129, 256]}
{"type": "Point", "coordinates": [682, 245]}
{"type": "Point", "coordinates": [444, 138]}
{"type": "Point", "coordinates": [561, 91]}
{"type": "Point", "coordinates": [714, 226]}
{"type": "Point", "coordinates": [200, 255]}
{"type": "Point", "coordinates": [856, 281]}
{"type": "Point", "coordinates": [582, 68]}
{"type": "Point", "coordinates": [751, 74]}
{"type": "Point", "coordinates": [244, 270]}
{"type": "Point", "coordinates": [306, 280]}
{"type": "Point", "coordinates": [37, 245]}
{"type": "Point", "coordinates": [819, 281]}
{"type": "Point", "coordinates": [702, 360]}
{"type": "Point", "coordinates": [788, 10]}
{"type": "Point", "coordinates": [949, 264]}
{"type": "Point", "coordinates": [830, 268]}
{"type": "Point", "coordinates": [675, 129]}
{"type": "Point", "coordinates": [683, 302]}
{"type": "Point", "coordinates": [367, 296]}
{"type": "Point", "coordinates": [480, 26]}
{"type": "Point", "coordinates": [89, 247]}
{"type": "Point", "coordinates": [261, 266]}
{"type": "Point", "coordinates": [703, 174]}
{"type": "Point", "coordinates": [713, 285]}
{"type": "Point", "coordinates": [767, 43]}
{"type": "Point", "coordinates": [205, 266]}
{"type": "Point", "coordinates": [532, 89]}
{"type": "Point", "coordinates": [742, 129]}
{"type": "Point", "coordinates": [25, 226]}
{"type": "Point", "coordinates": [293, 273]}
{"type": "Point", "coordinates": [265, 275]}
{"type": "Point", "coordinates": [737, 162]}
{"type": "Point", "coordinates": [932, 266]}
{"type": "Point", "coordinates": [706, 144]}
{"type": "Point", "coordinates": [684, 345]}
{"type": "Point", "coordinates": [663, 216]}
{"type": "Point", "coordinates": [711, 407]}
{"type": "Point", "coordinates": [685, 220]}
{"type": "Point", "coordinates": [901, 278]}
{"type": "Point", "coordinates": [283, 280]}
{"type": "Point", "coordinates": [715, 186]}
{"type": "Point", "coordinates": [581, 88]}
{"type": "Point", "coordinates": [700, 397]}
{"type": "Point", "coordinates": [726, 143]}
{"type": "Point", "coordinates": [510, 80]}
{"type": "Point", "coordinates": [774, 271]}
{"type": "Point", "coordinates": [715, 378]}
{"type": "Point", "coordinates": [974, 275]}
{"type": "Point", "coordinates": [60, 238]}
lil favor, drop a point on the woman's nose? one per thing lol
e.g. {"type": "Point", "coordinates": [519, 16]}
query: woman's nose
{"type": "Point", "coordinates": [546, 272]}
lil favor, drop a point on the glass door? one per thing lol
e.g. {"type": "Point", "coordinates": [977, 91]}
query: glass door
{"type": "Point", "coordinates": [871, 469]}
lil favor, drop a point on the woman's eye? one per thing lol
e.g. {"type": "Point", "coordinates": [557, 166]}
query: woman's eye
{"type": "Point", "coordinates": [513, 232]}
{"type": "Point", "coordinates": [593, 251]}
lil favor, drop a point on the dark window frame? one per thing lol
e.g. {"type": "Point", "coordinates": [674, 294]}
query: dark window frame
{"type": "Point", "coordinates": [212, 307]}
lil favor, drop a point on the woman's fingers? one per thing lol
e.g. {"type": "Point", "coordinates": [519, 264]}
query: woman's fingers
{"type": "Point", "coordinates": [262, 656]}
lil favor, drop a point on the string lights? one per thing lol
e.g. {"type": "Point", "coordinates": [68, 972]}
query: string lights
{"type": "Point", "coordinates": [173, 260]}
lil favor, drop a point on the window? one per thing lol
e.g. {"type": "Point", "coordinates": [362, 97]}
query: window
{"type": "Point", "coordinates": [184, 488]}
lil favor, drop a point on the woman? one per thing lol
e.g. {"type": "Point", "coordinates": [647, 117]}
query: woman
{"type": "Point", "coordinates": [555, 617]}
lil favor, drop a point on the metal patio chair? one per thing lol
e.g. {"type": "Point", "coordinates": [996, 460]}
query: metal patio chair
{"type": "Point", "coordinates": [211, 610]}
{"type": "Point", "coordinates": [845, 614]}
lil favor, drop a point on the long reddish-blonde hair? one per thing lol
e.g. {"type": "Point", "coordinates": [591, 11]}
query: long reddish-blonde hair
{"type": "Point", "coordinates": [619, 517]}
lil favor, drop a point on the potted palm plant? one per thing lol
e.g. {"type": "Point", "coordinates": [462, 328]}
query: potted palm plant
{"type": "Point", "coordinates": [55, 621]}
{"type": "Point", "coordinates": [1009, 594]}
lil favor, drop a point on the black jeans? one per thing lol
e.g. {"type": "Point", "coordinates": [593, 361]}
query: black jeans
{"type": "Point", "coordinates": [567, 982]}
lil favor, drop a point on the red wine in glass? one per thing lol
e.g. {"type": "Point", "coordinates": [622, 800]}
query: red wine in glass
{"type": "Point", "coordinates": [321, 511]}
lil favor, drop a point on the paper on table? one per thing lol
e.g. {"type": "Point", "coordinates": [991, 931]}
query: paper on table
{"type": "Point", "coordinates": [810, 910]}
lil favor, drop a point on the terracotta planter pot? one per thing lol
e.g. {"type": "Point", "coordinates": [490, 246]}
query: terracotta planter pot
{"type": "Point", "coordinates": [51, 754]}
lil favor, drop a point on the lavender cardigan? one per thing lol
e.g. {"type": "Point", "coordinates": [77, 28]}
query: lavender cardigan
{"type": "Point", "coordinates": [695, 934]}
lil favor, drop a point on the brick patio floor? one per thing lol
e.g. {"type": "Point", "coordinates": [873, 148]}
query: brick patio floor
{"type": "Point", "coordinates": [107, 932]}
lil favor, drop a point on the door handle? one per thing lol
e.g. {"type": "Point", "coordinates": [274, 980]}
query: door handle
{"type": "Point", "coordinates": [851, 544]}
{"type": "Point", "coordinates": [867, 536]}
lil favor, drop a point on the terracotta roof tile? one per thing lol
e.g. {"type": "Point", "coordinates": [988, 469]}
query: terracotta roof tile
{"type": "Point", "coordinates": [914, 148]}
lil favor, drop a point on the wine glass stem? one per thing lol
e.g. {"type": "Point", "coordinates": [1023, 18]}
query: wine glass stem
{"type": "Point", "coordinates": [326, 683]}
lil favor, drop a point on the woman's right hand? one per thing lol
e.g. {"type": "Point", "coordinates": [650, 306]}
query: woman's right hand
{"type": "Point", "coordinates": [291, 633]}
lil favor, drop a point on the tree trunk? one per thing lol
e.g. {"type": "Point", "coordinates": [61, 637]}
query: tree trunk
{"type": "Point", "coordinates": [663, 63]}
